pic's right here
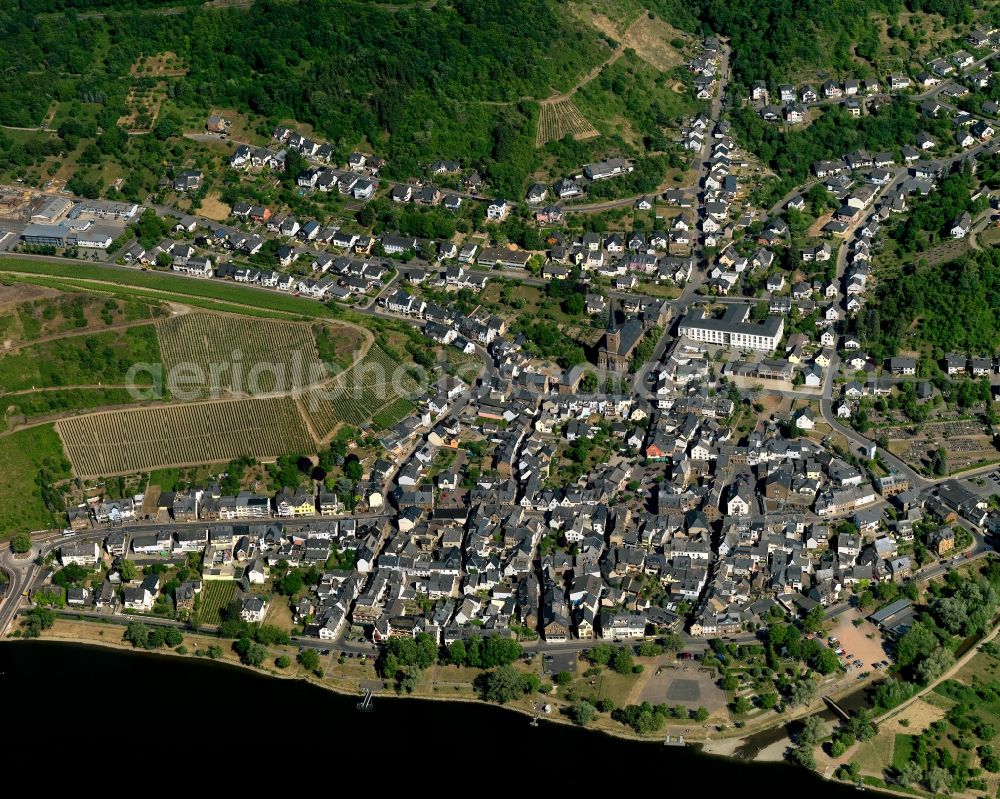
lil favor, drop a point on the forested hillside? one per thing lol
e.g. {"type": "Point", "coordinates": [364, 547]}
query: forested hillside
{"type": "Point", "coordinates": [419, 81]}
{"type": "Point", "coordinates": [416, 83]}
{"type": "Point", "coordinates": [952, 307]}
{"type": "Point", "coordinates": [774, 39]}
{"type": "Point", "coordinates": [834, 134]}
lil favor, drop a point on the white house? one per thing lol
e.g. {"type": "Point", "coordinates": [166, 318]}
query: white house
{"type": "Point", "coordinates": [804, 419]}
{"type": "Point", "coordinates": [498, 210]}
{"type": "Point", "coordinates": [254, 609]}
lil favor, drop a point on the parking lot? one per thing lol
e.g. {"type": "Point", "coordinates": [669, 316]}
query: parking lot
{"type": "Point", "coordinates": [862, 643]}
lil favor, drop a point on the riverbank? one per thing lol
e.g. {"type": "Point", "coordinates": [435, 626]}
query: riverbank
{"type": "Point", "coordinates": [730, 747]}
{"type": "Point", "coordinates": [450, 684]}
{"type": "Point", "coordinates": [196, 693]}
{"type": "Point", "coordinates": [349, 679]}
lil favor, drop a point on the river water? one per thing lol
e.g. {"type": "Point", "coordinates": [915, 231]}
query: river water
{"type": "Point", "coordinates": [127, 712]}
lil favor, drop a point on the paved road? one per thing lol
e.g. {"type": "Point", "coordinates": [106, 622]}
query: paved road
{"type": "Point", "coordinates": [860, 441]}
{"type": "Point", "coordinates": [22, 572]}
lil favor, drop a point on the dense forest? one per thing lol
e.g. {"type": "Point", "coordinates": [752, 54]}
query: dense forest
{"type": "Point", "coordinates": [956, 306]}
{"type": "Point", "coordinates": [456, 79]}
{"type": "Point", "coordinates": [773, 38]}
{"type": "Point", "coordinates": [416, 83]}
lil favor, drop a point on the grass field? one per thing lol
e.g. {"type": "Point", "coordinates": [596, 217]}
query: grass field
{"type": "Point", "coordinates": [166, 479]}
{"type": "Point", "coordinates": [533, 301]}
{"type": "Point", "coordinates": [181, 288]}
{"type": "Point", "coordinates": [22, 455]}
{"type": "Point", "coordinates": [392, 414]}
{"type": "Point", "coordinates": [79, 360]}
{"type": "Point", "coordinates": [875, 755]}
{"type": "Point", "coordinates": [901, 750]}
{"type": "Point", "coordinates": [141, 439]}
{"type": "Point", "coordinates": [252, 356]}
{"type": "Point", "coordinates": [132, 292]}
{"type": "Point", "coordinates": [44, 403]}
{"type": "Point", "coordinates": [982, 667]}
{"type": "Point", "coordinates": [616, 687]}
{"type": "Point", "coordinates": [216, 595]}
{"type": "Point", "coordinates": [33, 317]}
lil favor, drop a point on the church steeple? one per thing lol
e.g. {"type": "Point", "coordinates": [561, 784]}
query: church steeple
{"type": "Point", "coordinates": [612, 338]}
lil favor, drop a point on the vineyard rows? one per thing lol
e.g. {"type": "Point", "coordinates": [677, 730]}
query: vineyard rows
{"type": "Point", "coordinates": [146, 438]}
{"type": "Point", "coordinates": [248, 354]}
{"type": "Point", "coordinates": [558, 118]}
{"type": "Point", "coordinates": [355, 396]}
{"type": "Point", "coordinates": [216, 597]}
{"type": "Point", "coordinates": [393, 414]}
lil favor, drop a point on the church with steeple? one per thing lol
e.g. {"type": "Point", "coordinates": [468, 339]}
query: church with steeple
{"type": "Point", "coordinates": [614, 352]}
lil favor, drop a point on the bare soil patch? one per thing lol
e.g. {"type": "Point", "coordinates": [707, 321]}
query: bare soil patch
{"type": "Point", "coordinates": [650, 38]}
{"type": "Point", "coordinates": [817, 227]}
{"type": "Point", "coordinates": [280, 614]}
{"type": "Point", "coordinates": [214, 208]}
{"type": "Point", "coordinates": [24, 292]}
{"type": "Point", "coordinates": [606, 26]}
{"type": "Point", "coordinates": [689, 686]}
{"type": "Point", "coordinates": [919, 715]}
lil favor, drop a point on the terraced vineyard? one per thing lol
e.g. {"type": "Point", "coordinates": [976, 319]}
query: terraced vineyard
{"type": "Point", "coordinates": [249, 355]}
{"type": "Point", "coordinates": [560, 117]}
{"type": "Point", "coordinates": [125, 441]}
{"type": "Point", "coordinates": [374, 383]}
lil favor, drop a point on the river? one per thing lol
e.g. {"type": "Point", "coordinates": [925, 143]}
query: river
{"type": "Point", "coordinates": [96, 704]}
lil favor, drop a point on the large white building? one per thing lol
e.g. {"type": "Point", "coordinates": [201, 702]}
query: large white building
{"type": "Point", "coordinates": [623, 626]}
{"type": "Point", "coordinates": [82, 553]}
{"type": "Point", "coordinates": [733, 329]}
